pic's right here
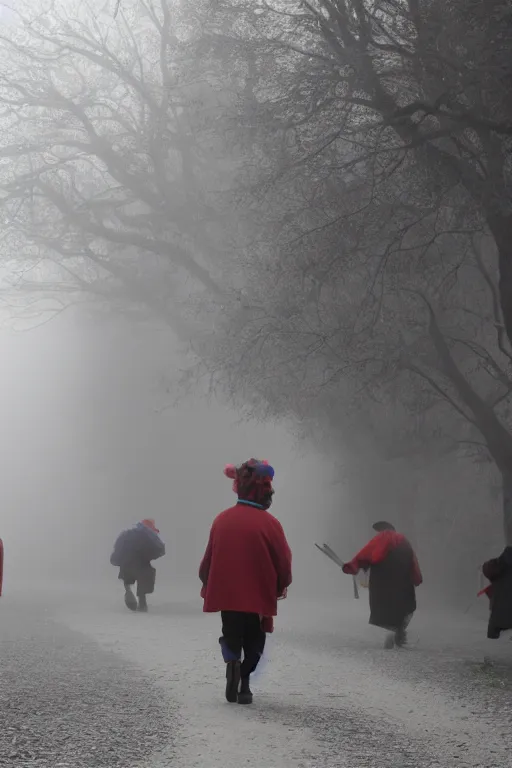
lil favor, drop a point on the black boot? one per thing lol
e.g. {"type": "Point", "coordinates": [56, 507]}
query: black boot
{"type": "Point", "coordinates": [389, 642]}
{"type": "Point", "coordinates": [245, 694]}
{"type": "Point", "coordinates": [232, 681]}
{"type": "Point", "coordinates": [401, 638]}
{"type": "Point", "coordinates": [129, 598]}
{"type": "Point", "coordinates": [143, 605]}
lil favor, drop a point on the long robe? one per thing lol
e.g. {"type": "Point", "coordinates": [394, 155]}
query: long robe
{"type": "Point", "coordinates": [394, 576]}
{"type": "Point", "coordinates": [499, 572]}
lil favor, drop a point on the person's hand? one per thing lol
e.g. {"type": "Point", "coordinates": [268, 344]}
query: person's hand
{"type": "Point", "coordinates": [283, 594]}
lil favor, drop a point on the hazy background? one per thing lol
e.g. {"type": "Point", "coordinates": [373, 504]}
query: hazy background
{"type": "Point", "coordinates": [91, 443]}
{"type": "Point", "coordinates": [164, 176]}
{"type": "Point", "coordinates": [98, 434]}
{"type": "Point", "coordinates": [93, 440]}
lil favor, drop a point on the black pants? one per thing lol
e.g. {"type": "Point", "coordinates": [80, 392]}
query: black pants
{"type": "Point", "coordinates": [143, 576]}
{"type": "Point", "coordinates": [243, 632]}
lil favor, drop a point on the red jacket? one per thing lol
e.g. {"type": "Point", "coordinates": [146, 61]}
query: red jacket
{"type": "Point", "coordinates": [375, 552]}
{"type": "Point", "coordinates": [247, 564]}
{"type": "Point", "coordinates": [1, 565]}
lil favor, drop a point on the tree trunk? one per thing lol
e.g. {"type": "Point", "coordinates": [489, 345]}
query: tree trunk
{"type": "Point", "coordinates": [507, 506]}
{"type": "Point", "coordinates": [497, 435]}
{"type": "Point", "coordinates": [501, 228]}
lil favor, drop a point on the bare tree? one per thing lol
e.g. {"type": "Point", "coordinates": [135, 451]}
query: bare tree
{"type": "Point", "coordinates": [412, 356]}
{"type": "Point", "coordinates": [320, 182]}
{"type": "Point", "coordinates": [376, 147]}
{"type": "Point", "coordinates": [359, 82]}
{"type": "Point", "coordinates": [108, 159]}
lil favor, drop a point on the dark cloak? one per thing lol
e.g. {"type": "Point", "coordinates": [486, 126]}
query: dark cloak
{"type": "Point", "coordinates": [133, 552]}
{"type": "Point", "coordinates": [394, 576]}
{"type": "Point", "coordinates": [499, 572]}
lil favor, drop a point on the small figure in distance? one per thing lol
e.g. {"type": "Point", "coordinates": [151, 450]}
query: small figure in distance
{"type": "Point", "coordinates": [498, 571]}
{"type": "Point", "coordinates": [133, 552]}
{"type": "Point", "coordinates": [246, 568]}
{"type": "Point", "coordinates": [394, 576]}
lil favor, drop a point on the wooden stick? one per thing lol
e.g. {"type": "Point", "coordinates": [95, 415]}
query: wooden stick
{"type": "Point", "coordinates": [331, 554]}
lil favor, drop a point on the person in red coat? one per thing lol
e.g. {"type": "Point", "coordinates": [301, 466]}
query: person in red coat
{"type": "Point", "coordinates": [394, 576]}
{"type": "Point", "coordinates": [246, 568]}
{"type": "Point", "coordinates": [1, 566]}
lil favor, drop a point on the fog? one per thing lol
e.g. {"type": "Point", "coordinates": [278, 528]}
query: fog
{"type": "Point", "coordinates": [93, 441]}
{"type": "Point", "coordinates": [271, 229]}
{"type": "Point", "coordinates": [99, 433]}
{"type": "Point", "coordinates": [177, 197]}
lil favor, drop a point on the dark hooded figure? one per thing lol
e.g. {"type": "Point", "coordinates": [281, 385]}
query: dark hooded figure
{"type": "Point", "coordinates": [499, 572]}
{"type": "Point", "coordinates": [394, 576]}
{"type": "Point", "coordinates": [246, 568]}
{"type": "Point", "coordinates": [133, 552]}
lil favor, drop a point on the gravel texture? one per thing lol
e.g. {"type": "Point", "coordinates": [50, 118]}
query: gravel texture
{"type": "Point", "coordinates": [66, 703]}
{"type": "Point", "coordinates": [327, 694]}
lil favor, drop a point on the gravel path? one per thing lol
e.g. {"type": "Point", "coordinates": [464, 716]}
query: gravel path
{"type": "Point", "coordinates": [327, 695]}
{"type": "Point", "coordinates": [451, 689]}
{"type": "Point", "coordinates": [66, 703]}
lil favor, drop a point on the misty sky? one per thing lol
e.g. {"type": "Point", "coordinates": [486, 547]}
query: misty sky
{"type": "Point", "coordinates": [92, 443]}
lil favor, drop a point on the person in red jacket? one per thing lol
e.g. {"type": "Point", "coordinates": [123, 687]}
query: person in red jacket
{"type": "Point", "coordinates": [246, 568]}
{"type": "Point", "coordinates": [394, 576]}
{"type": "Point", "coordinates": [1, 566]}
